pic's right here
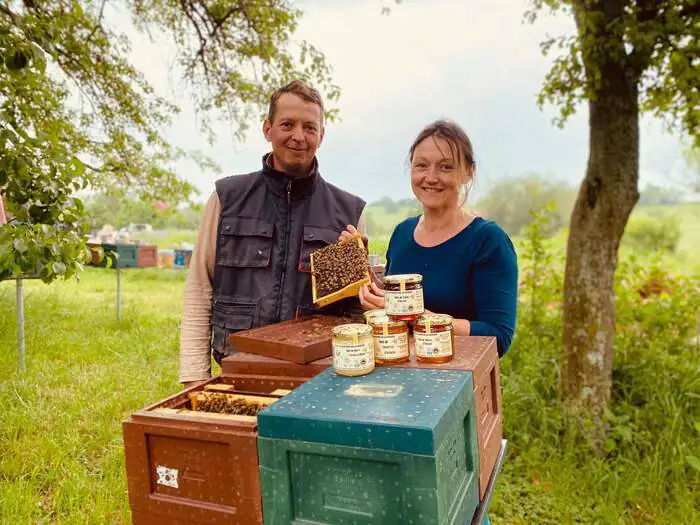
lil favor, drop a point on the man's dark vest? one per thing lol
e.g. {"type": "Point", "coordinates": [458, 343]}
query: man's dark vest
{"type": "Point", "coordinates": [270, 223]}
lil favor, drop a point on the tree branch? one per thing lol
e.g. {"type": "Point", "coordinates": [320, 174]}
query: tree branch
{"type": "Point", "coordinates": [202, 41]}
{"type": "Point", "coordinates": [6, 10]}
{"type": "Point", "coordinates": [98, 24]}
{"type": "Point", "coordinates": [220, 22]}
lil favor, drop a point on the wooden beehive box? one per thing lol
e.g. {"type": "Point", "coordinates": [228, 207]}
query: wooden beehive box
{"type": "Point", "coordinates": [476, 354]}
{"type": "Point", "coordinates": [190, 467]}
{"type": "Point", "coordinates": [246, 364]}
{"type": "Point", "coordinates": [147, 256]}
{"type": "Point", "coordinates": [182, 258]}
{"type": "Point", "coordinates": [350, 290]}
{"type": "Point", "coordinates": [480, 356]}
{"type": "Point", "coordinates": [299, 340]}
{"type": "Point", "coordinates": [397, 446]}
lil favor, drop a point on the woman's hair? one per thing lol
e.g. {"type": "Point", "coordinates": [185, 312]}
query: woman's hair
{"type": "Point", "coordinates": [460, 146]}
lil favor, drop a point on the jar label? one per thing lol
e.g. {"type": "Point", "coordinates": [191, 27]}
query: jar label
{"type": "Point", "coordinates": [391, 346]}
{"type": "Point", "coordinates": [437, 344]}
{"type": "Point", "coordinates": [404, 303]}
{"type": "Point", "coordinates": [353, 356]}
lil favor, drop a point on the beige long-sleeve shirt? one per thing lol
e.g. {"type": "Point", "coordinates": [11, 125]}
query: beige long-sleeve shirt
{"type": "Point", "coordinates": [195, 326]}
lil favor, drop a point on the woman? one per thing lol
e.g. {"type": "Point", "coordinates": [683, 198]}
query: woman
{"type": "Point", "coordinates": [468, 263]}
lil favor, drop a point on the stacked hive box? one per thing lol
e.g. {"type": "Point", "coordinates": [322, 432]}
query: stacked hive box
{"type": "Point", "coordinates": [126, 255]}
{"type": "Point", "coordinates": [480, 356]}
{"type": "Point", "coordinates": [476, 354]}
{"type": "Point", "coordinates": [244, 364]}
{"type": "Point", "coordinates": [166, 258]}
{"type": "Point", "coordinates": [188, 468]}
{"type": "Point", "coordinates": [182, 258]}
{"type": "Point", "coordinates": [398, 446]}
{"type": "Point", "coordinates": [147, 256]}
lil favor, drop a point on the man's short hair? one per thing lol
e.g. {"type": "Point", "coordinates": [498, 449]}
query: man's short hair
{"type": "Point", "coordinates": [299, 88]}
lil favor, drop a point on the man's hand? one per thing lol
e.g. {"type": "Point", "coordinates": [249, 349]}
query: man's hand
{"type": "Point", "coordinates": [371, 297]}
{"type": "Point", "coordinates": [350, 232]}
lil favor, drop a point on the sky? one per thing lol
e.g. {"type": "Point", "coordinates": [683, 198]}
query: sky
{"type": "Point", "coordinates": [473, 61]}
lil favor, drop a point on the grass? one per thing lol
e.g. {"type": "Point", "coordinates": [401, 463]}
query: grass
{"type": "Point", "coordinates": [61, 450]}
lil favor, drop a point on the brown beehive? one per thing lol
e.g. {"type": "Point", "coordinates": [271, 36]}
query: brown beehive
{"type": "Point", "coordinates": [339, 271]}
{"type": "Point", "coordinates": [480, 356]}
{"type": "Point", "coordinates": [254, 365]}
{"type": "Point", "coordinates": [190, 466]}
{"type": "Point", "coordinates": [299, 340]}
{"type": "Point", "coordinates": [226, 403]}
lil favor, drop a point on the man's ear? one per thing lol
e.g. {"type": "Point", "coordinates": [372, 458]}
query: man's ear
{"type": "Point", "coordinates": [267, 128]}
{"type": "Point", "coordinates": [323, 132]}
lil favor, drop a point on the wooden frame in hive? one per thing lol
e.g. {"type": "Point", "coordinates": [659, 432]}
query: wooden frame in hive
{"type": "Point", "coordinates": [351, 290]}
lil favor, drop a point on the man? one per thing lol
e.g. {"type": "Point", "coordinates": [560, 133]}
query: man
{"type": "Point", "coordinates": [250, 266]}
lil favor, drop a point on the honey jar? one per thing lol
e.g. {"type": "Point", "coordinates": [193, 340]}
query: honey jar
{"type": "Point", "coordinates": [390, 340]}
{"type": "Point", "coordinates": [434, 338]}
{"type": "Point", "coordinates": [403, 296]}
{"type": "Point", "coordinates": [369, 314]}
{"type": "Point", "coordinates": [353, 349]}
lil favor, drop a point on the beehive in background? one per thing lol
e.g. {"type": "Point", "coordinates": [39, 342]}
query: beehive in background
{"type": "Point", "coordinates": [182, 258]}
{"type": "Point", "coordinates": [147, 256]}
{"type": "Point", "coordinates": [394, 447]}
{"type": "Point", "coordinates": [166, 258]}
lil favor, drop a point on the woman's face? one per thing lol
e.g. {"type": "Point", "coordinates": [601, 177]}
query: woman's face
{"type": "Point", "coordinates": [436, 176]}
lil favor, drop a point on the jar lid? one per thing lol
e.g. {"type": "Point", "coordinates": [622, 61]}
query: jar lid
{"type": "Point", "coordinates": [385, 321]}
{"type": "Point", "coordinates": [369, 314]}
{"type": "Point", "coordinates": [352, 330]}
{"type": "Point", "coordinates": [434, 320]}
{"type": "Point", "coordinates": [405, 278]}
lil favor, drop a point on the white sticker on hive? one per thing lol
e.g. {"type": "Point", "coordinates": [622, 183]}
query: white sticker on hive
{"type": "Point", "coordinates": [374, 390]}
{"type": "Point", "coordinates": [167, 476]}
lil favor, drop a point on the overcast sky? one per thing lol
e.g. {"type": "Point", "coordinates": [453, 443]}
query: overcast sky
{"type": "Point", "coordinates": [473, 61]}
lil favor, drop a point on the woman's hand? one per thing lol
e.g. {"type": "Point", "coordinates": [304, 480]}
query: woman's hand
{"type": "Point", "coordinates": [371, 297]}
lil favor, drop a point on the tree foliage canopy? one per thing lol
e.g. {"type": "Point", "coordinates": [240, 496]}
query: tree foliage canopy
{"type": "Point", "coordinates": [656, 41]}
{"type": "Point", "coordinates": [76, 114]}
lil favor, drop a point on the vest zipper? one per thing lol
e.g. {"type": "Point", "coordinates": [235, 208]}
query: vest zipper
{"type": "Point", "coordinates": [280, 297]}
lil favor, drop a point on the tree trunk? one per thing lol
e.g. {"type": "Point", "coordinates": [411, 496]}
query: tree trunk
{"type": "Point", "coordinates": [605, 200]}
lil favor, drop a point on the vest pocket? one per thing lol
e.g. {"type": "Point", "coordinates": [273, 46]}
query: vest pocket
{"type": "Point", "coordinates": [314, 238]}
{"type": "Point", "coordinates": [245, 242]}
{"type": "Point", "coordinates": [228, 317]}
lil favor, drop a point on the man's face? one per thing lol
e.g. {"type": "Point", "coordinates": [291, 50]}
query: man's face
{"type": "Point", "coordinates": [295, 134]}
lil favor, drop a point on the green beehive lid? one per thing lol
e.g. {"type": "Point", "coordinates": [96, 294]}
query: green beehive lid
{"type": "Point", "coordinates": [393, 409]}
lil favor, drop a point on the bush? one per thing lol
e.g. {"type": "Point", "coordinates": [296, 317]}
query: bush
{"type": "Point", "coordinates": [649, 234]}
{"type": "Point", "coordinates": [650, 470]}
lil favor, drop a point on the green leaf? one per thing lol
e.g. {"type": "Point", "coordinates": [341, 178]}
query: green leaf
{"type": "Point", "coordinates": [78, 204]}
{"type": "Point", "coordinates": [58, 267]}
{"type": "Point", "coordinates": [609, 445]}
{"type": "Point", "coordinates": [625, 433]}
{"type": "Point", "coordinates": [21, 167]}
{"type": "Point", "coordinates": [76, 166]}
{"type": "Point", "coordinates": [20, 245]}
{"type": "Point", "coordinates": [39, 59]}
{"type": "Point", "coordinates": [693, 462]}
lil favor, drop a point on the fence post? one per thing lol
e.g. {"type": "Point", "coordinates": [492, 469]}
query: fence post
{"type": "Point", "coordinates": [20, 327]}
{"type": "Point", "coordinates": [119, 293]}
